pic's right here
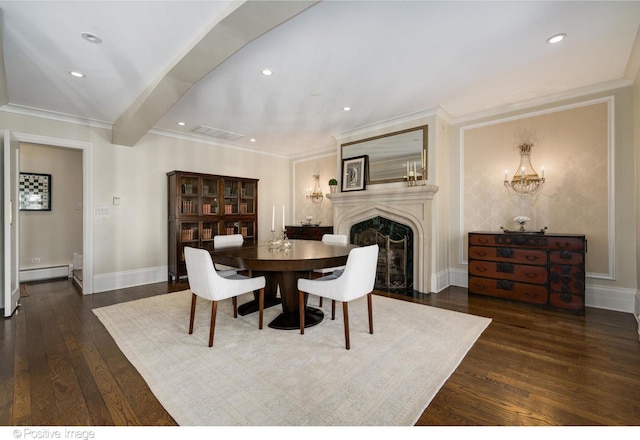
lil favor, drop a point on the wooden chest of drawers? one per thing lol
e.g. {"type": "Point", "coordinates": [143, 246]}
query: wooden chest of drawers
{"type": "Point", "coordinates": [544, 269]}
{"type": "Point", "coordinates": [308, 232]}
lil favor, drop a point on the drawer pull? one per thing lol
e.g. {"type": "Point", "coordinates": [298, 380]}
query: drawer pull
{"type": "Point", "coordinates": [505, 252]}
{"type": "Point", "coordinates": [562, 245]}
{"type": "Point", "coordinates": [483, 240]}
{"type": "Point", "coordinates": [481, 253]}
{"type": "Point", "coordinates": [481, 268]}
{"type": "Point", "coordinates": [505, 285]}
{"type": "Point", "coordinates": [505, 267]}
{"type": "Point", "coordinates": [531, 257]}
{"type": "Point", "coordinates": [531, 275]}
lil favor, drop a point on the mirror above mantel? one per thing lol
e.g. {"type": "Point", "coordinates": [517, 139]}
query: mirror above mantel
{"type": "Point", "coordinates": [388, 154]}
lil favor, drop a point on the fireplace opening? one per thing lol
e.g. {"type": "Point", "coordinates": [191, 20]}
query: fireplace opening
{"type": "Point", "coordinates": [395, 259]}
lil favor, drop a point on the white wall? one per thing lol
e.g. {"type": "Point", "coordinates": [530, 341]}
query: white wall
{"type": "Point", "coordinates": [130, 243]}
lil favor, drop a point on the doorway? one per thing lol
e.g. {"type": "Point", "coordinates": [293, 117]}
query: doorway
{"type": "Point", "coordinates": [50, 239]}
{"type": "Point", "coordinates": [86, 149]}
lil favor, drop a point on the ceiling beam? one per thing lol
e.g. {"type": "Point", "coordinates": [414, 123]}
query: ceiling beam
{"type": "Point", "coordinates": [244, 23]}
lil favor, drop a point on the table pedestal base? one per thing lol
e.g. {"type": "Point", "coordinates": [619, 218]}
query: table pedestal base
{"type": "Point", "coordinates": [291, 320]}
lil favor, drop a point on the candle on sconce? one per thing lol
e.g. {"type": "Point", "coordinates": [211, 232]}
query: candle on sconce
{"type": "Point", "coordinates": [506, 174]}
{"type": "Point", "coordinates": [283, 217]}
{"type": "Point", "coordinates": [542, 171]}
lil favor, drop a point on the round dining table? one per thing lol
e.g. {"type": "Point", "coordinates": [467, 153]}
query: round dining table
{"type": "Point", "coordinates": [282, 268]}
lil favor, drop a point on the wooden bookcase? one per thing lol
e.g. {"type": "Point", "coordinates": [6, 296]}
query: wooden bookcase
{"type": "Point", "coordinates": [201, 206]}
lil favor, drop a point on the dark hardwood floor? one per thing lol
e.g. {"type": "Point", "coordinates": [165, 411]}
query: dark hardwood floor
{"type": "Point", "coordinates": [530, 367]}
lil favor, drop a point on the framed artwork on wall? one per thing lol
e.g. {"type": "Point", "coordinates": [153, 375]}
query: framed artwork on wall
{"type": "Point", "coordinates": [354, 172]}
{"type": "Point", "coordinates": [35, 192]}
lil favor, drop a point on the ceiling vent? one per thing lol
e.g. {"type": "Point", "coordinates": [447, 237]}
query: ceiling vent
{"type": "Point", "coordinates": [217, 133]}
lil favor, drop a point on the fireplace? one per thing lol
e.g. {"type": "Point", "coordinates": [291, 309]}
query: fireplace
{"type": "Point", "coordinates": [395, 259]}
{"type": "Point", "coordinates": [407, 206]}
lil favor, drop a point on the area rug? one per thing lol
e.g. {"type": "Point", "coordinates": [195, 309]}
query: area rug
{"type": "Point", "coordinates": [274, 377]}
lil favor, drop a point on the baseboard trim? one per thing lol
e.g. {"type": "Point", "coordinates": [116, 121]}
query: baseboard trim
{"type": "Point", "coordinates": [601, 297]}
{"type": "Point", "coordinates": [45, 273]}
{"type": "Point", "coordinates": [130, 278]}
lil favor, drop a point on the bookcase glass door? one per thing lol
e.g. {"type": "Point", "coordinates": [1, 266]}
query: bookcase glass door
{"type": "Point", "coordinates": [210, 196]}
{"type": "Point", "coordinates": [248, 198]}
{"type": "Point", "coordinates": [231, 197]}
{"type": "Point", "coordinates": [189, 187]}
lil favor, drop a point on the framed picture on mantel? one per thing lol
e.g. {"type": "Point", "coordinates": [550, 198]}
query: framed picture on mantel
{"type": "Point", "coordinates": [354, 172]}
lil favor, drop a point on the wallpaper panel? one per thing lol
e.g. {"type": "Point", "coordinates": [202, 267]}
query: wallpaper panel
{"type": "Point", "coordinates": [572, 145]}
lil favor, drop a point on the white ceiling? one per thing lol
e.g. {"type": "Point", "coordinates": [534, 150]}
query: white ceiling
{"type": "Point", "coordinates": [384, 59]}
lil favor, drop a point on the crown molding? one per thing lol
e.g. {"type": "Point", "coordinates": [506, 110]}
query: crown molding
{"type": "Point", "coordinates": [547, 100]}
{"type": "Point", "coordinates": [55, 116]}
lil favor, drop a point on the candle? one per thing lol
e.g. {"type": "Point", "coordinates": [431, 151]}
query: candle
{"type": "Point", "coordinates": [283, 217]}
{"type": "Point", "coordinates": [522, 173]}
{"type": "Point", "coordinates": [505, 175]}
{"type": "Point", "coordinates": [407, 170]}
{"type": "Point", "coordinates": [542, 169]}
{"type": "Point", "coordinates": [273, 219]}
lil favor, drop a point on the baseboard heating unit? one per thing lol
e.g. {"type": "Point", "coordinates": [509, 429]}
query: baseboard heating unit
{"type": "Point", "coordinates": [46, 273]}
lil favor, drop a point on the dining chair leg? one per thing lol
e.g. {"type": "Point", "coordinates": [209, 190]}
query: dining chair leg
{"type": "Point", "coordinates": [301, 310]}
{"type": "Point", "coordinates": [261, 308]}
{"type": "Point", "coordinates": [234, 301]}
{"type": "Point", "coordinates": [333, 309]}
{"type": "Point", "coordinates": [214, 310]}
{"type": "Point", "coordinates": [194, 298]}
{"type": "Point", "coordinates": [345, 311]}
{"type": "Point", "coordinates": [369, 305]}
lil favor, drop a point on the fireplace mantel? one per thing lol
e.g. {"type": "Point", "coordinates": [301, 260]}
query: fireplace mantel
{"type": "Point", "coordinates": [410, 205]}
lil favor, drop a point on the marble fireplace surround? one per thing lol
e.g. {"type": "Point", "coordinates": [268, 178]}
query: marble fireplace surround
{"type": "Point", "coordinates": [411, 206]}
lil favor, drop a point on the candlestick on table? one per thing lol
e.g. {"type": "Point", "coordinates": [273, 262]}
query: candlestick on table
{"type": "Point", "coordinates": [273, 219]}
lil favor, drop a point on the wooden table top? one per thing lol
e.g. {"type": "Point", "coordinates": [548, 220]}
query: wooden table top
{"type": "Point", "coordinates": [302, 256]}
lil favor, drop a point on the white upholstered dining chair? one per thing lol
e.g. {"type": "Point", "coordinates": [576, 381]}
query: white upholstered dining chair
{"type": "Point", "coordinates": [357, 280]}
{"type": "Point", "coordinates": [337, 239]}
{"type": "Point", "coordinates": [221, 241]}
{"type": "Point", "coordinates": [206, 282]}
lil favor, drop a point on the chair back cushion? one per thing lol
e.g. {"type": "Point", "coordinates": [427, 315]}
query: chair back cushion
{"type": "Point", "coordinates": [200, 271]}
{"type": "Point", "coordinates": [335, 238]}
{"type": "Point", "coordinates": [227, 240]}
{"type": "Point", "coordinates": [360, 272]}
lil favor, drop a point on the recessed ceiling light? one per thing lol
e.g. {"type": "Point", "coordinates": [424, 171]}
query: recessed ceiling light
{"type": "Point", "coordinates": [182, 124]}
{"type": "Point", "coordinates": [91, 38]}
{"type": "Point", "coordinates": [556, 38]}
{"type": "Point", "coordinates": [346, 109]}
{"type": "Point", "coordinates": [76, 74]}
{"type": "Point", "coordinates": [267, 72]}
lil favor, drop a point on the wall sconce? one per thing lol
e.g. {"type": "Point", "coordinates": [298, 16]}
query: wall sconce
{"type": "Point", "coordinates": [315, 194]}
{"type": "Point", "coordinates": [525, 180]}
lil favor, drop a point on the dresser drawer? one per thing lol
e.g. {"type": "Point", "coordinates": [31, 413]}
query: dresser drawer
{"type": "Point", "coordinates": [509, 271]}
{"type": "Point", "coordinates": [508, 255]}
{"type": "Point", "coordinates": [531, 293]}
{"type": "Point", "coordinates": [566, 243]}
{"type": "Point", "coordinates": [567, 279]}
{"type": "Point", "coordinates": [567, 301]}
{"type": "Point", "coordinates": [566, 257]}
